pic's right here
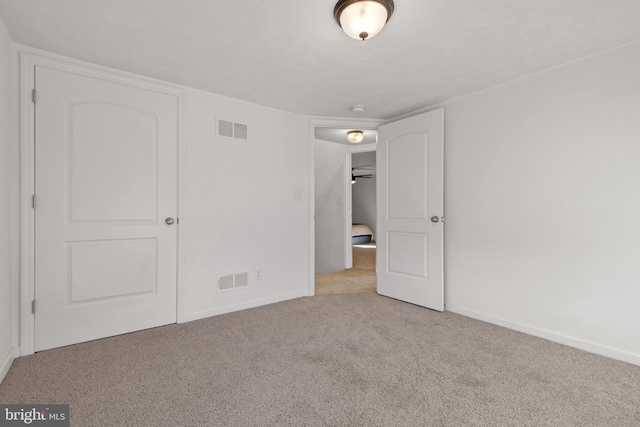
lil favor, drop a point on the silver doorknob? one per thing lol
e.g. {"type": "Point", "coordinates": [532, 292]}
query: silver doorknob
{"type": "Point", "coordinates": [169, 221]}
{"type": "Point", "coordinates": [435, 219]}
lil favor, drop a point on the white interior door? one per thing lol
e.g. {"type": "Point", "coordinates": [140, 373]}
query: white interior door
{"type": "Point", "coordinates": [410, 209]}
{"type": "Point", "coordinates": [106, 180]}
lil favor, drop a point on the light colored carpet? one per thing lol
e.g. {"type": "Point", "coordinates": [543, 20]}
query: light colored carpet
{"type": "Point", "coordinates": [329, 360]}
{"type": "Point", "coordinates": [360, 278]}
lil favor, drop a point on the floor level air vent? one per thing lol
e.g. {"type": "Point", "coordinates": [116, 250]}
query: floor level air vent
{"type": "Point", "coordinates": [228, 282]}
{"type": "Point", "coordinates": [232, 130]}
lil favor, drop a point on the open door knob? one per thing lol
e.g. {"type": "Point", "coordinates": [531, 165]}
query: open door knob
{"type": "Point", "coordinates": [435, 219]}
{"type": "Point", "coordinates": [169, 221]}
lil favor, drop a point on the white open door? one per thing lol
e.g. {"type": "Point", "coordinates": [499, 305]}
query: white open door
{"type": "Point", "coordinates": [106, 205]}
{"type": "Point", "coordinates": [410, 209]}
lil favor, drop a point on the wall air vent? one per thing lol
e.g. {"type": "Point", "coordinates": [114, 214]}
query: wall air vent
{"type": "Point", "coordinates": [232, 281]}
{"type": "Point", "coordinates": [232, 130]}
{"type": "Point", "coordinates": [225, 282]}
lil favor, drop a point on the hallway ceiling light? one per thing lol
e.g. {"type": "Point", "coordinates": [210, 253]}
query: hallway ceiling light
{"type": "Point", "coordinates": [362, 19]}
{"type": "Point", "coordinates": [355, 136]}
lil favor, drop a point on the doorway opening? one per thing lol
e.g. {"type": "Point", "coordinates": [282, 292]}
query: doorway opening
{"type": "Point", "coordinates": [345, 212]}
{"type": "Point", "coordinates": [410, 208]}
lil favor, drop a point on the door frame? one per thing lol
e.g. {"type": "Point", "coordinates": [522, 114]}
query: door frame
{"type": "Point", "coordinates": [330, 122]}
{"type": "Point", "coordinates": [29, 58]}
{"type": "Point", "coordinates": [348, 195]}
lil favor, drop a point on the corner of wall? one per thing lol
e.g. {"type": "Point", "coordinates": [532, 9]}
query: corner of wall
{"type": "Point", "coordinates": [9, 222]}
{"type": "Point", "coordinates": [8, 361]}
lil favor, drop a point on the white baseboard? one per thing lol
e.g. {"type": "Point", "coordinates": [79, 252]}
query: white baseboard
{"type": "Point", "coordinates": [8, 360]}
{"type": "Point", "coordinates": [243, 306]}
{"type": "Point", "coordinates": [551, 336]}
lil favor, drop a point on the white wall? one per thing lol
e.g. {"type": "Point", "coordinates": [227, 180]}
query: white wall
{"type": "Point", "coordinates": [329, 158]}
{"type": "Point", "coordinates": [363, 209]}
{"type": "Point", "coordinates": [239, 209]}
{"type": "Point", "coordinates": [6, 338]}
{"type": "Point", "coordinates": [543, 204]}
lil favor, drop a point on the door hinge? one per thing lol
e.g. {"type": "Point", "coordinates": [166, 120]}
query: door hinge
{"type": "Point", "coordinates": [33, 307]}
{"type": "Point", "coordinates": [33, 96]}
{"type": "Point", "coordinates": [33, 201]}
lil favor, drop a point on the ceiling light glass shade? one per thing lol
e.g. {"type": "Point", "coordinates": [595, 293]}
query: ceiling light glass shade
{"type": "Point", "coordinates": [362, 19]}
{"type": "Point", "coordinates": [355, 136]}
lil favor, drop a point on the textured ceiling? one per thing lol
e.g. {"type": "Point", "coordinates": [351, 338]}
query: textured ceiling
{"type": "Point", "coordinates": [290, 54]}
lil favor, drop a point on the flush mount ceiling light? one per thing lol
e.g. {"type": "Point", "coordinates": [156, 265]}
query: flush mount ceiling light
{"type": "Point", "coordinates": [362, 19]}
{"type": "Point", "coordinates": [355, 136]}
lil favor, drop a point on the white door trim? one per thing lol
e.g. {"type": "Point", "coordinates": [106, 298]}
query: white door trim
{"type": "Point", "coordinates": [327, 122]}
{"type": "Point", "coordinates": [28, 59]}
{"type": "Point", "coordinates": [347, 214]}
